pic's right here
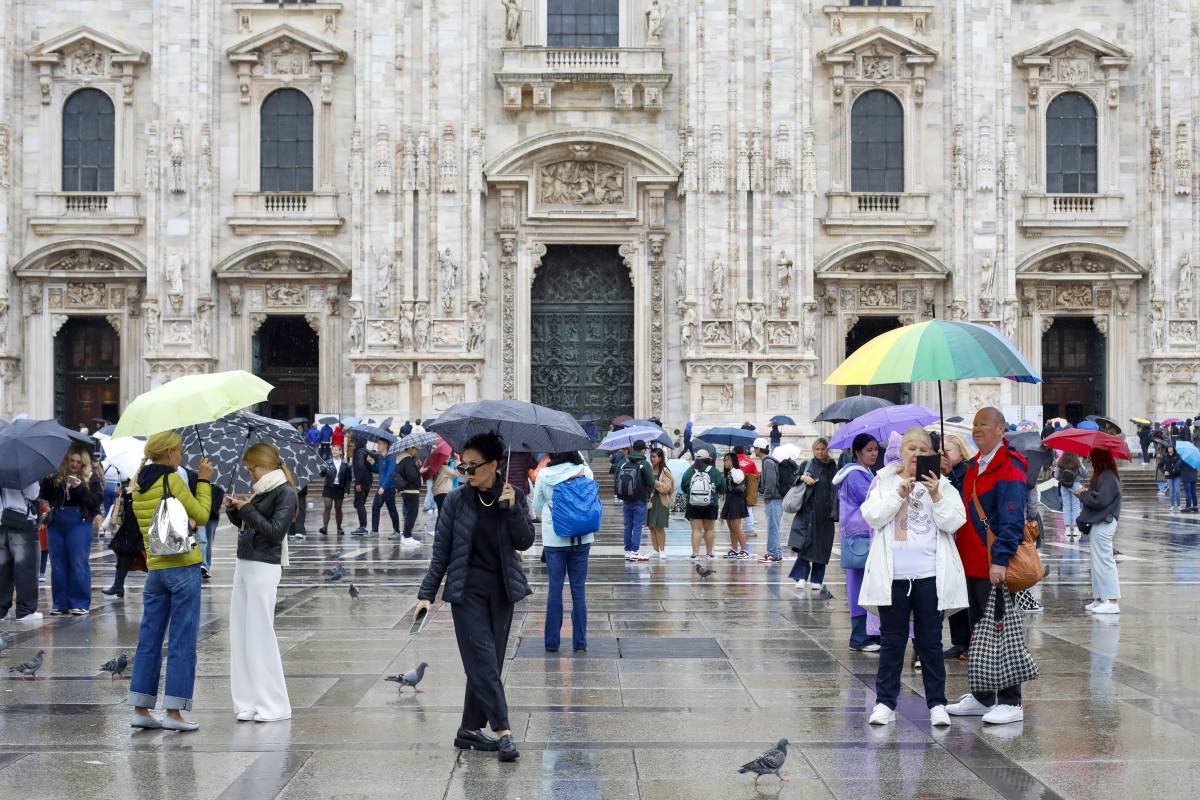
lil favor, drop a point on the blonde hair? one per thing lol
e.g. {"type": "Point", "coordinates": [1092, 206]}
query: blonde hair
{"type": "Point", "coordinates": [957, 441]}
{"type": "Point", "coordinates": [161, 443]}
{"type": "Point", "coordinates": [85, 474]}
{"type": "Point", "coordinates": [916, 433]}
{"type": "Point", "coordinates": [267, 456]}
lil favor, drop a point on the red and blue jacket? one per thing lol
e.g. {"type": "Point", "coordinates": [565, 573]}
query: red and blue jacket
{"type": "Point", "coordinates": [1002, 492]}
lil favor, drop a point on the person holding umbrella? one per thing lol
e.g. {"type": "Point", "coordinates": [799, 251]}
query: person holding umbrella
{"type": "Point", "coordinates": [75, 496]}
{"type": "Point", "coordinates": [19, 552]}
{"type": "Point", "coordinates": [1101, 509]}
{"type": "Point", "coordinates": [363, 479]}
{"type": "Point", "coordinates": [337, 476]}
{"type": "Point", "coordinates": [852, 483]}
{"type": "Point", "coordinates": [1169, 464]}
{"type": "Point", "coordinates": [1187, 478]}
{"type": "Point", "coordinates": [383, 464]}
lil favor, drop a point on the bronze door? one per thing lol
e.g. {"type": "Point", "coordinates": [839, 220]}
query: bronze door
{"type": "Point", "coordinates": [582, 332]}
{"type": "Point", "coordinates": [87, 373]}
{"type": "Point", "coordinates": [1073, 373]}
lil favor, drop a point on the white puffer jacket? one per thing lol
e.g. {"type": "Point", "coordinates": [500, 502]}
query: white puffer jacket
{"type": "Point", "coordinates": [879, 511]}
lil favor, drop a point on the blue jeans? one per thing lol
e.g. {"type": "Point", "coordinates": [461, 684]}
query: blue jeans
{"type": "Point", "coordinates": [110, 495]}
{"type": "Point", "coordinates": [1105, 584]}
{"type": "Point", "coordinates": [804, 570]}
{"type": "Point", "coordinates": [1189, 491]}
{"type": "Point", "coordinates": [570, 562]}
{"type": "Point", "coordinates": [70, 540]}
{"type": "Point", "coordinates": [206, 535]}
{"type": "Point", "coordinates": [916, 599]}
{"type": "Point", "coordinates": [1173, 486]}
{"type": "Point", "coordinates": [635, 520]}
{"type": "Point", "coordinates": [1070, 504]}
{"type": "Point", "coordinates": [170, 598]}
{"type": "Point", "coordinates": [774, 513]}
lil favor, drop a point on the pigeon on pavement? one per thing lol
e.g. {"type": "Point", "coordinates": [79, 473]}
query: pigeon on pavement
{"type": "Point", "coordinates": [826, 594]}
{"type": "Point", "coordinates": [336, 573]}
{"type": "Point", "coordinates": [116, 666]}
{"type": "Point", "coordinates": [3, 641]}
{"type": "Point", "coordinates": [704, 571]}
{"type": "Point", "coordinates": [410, 678]}
{"type": "Point", "coordinates": [353, 591]}
{"type": "Point", "coordinates": [769, 763]}
{"type": "Point", "coordinates": [334, 556]}
{"type": "Point", "coordinates": [31, 666]}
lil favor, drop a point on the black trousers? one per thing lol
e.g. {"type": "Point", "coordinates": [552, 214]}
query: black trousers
{"type": "Point", "coordinates": [360, 503]}
{"type": "Point", "coordinates": [482, 619]}
{"type": "Point", "coordinates": [979, 591]}
{"type": "Point", "coordinates": [386, 497]}
{"type": "Point", "coordinates": [960, 629]}
{"type": "Point", "coordinates": [298, 523]}
{"type": "Point", "coordinates": [916, 600]}
{"type": "Point", "coordinates": [411, 504]}
{"type": "Point", "coordinates": [124, 561]}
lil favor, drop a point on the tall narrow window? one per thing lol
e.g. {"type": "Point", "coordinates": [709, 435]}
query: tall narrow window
{"type": "Point", "coordinates": [87, 142]}
{"type": "Point", "coordinates": [286, 145]}
{"type": "Point", "coordinates": [1071, 145]}
{"type": "Point", "coordinates": [877, 143]}
{"type": "Point", "coordinates": [583, 23]}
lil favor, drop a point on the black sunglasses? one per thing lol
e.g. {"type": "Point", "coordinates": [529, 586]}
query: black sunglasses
{"type": "Point", "coordinates": [464, 470]}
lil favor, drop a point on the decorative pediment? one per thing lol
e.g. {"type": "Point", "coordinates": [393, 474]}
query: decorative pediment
{"type": "Point", "coordinates": [275, 262]}
{"type": "Point", "coordinates": [1075, 44]}
{"type": "Point", "coordinates": [80, 259]}
{"type": "Point", "coordinates": [879, 42]}
{"type": "Point", "coordinates": [285, 50]}
{"type": "Point", "coordinates": [1073, 262]}
{"type": "Point", "coordinates": [873, 260]}
{"type": "Point", "coordinates": [85, 51]}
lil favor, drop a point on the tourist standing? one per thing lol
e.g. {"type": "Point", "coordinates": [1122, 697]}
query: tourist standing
{"type": "Point", "coordinates": [566, 557]}
{"type": "Point", "coordinates": [852, 483]}
{"type": "Point", "coordinates": [772, 486]}
{"type": "Point", "coordinates": [734, 509]}
{"type": "Point", "coordinates": [383, 464]}
{"type": "Point", "coordinates": [913, 573]}
{"type": "Point", "coordinates": [1101, 509]}
{"type": "Point", "coordinates": [1169, 463]}
{"type": "Point", "coordinates": [443, 483]}
{"type": "Point", "coordinates": [1145, 436]}
{"type": "Point", "coordinates": [364, 478]}
{"type": "Point", "coordinates": [1070, 475]}
{"type": "Point", "coordinates": [1187, 481]}
{"type": "Point", "coordinates": [408, 484]}
{"type": "Point", "coordinates": [126, 542]}
{"type": "Point", "coordinates": [255, 668]}
{"type": "Point", "coordinates": [634, 484]}
{"type": "Point", "coordinates": [663, 497]}
{"type": "Point", "coordinates": [325, 447]}
{"type": "Point", "coordinates": [171, 594]}
{"type": "Point", "coordinates": [19, 553]}
{"type": "Point", "coordinates": [811, 535]}
{"type": "Point", "coordinates": [956, 456]}
{"type": "Point", "coordinates": [479, 531]}
{"type": "Point", "coordinates": [337, 478]}
{"type": "Point", "coordinates": [702, 484]}
{"type": "Point", "coordinates": [75, 496]}
{"type": "Point", "coordinates": [776, 435]}
{"type": "Point", "coordinates": [687, 440]}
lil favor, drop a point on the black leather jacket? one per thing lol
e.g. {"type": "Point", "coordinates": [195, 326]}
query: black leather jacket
{"type": "Point", "coordinates": [451, 557]}
{"type": "Point", "coordinates": [263, 523]}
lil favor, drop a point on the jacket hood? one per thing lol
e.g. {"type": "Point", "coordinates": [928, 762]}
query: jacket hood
{"type": "Point", "coordinates": [559, 472]}
{"type": "Point", "coordinates": [635, 456]}
{"type": "Point", "coordinates": [152, 474]}
{"type": "Point", "coordinates": [845, 471]}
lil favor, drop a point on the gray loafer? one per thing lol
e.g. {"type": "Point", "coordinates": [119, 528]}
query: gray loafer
{"type": "Point", "coordinates": [170, 724]}
{"type": "Point", "coordinates": [145, 721]}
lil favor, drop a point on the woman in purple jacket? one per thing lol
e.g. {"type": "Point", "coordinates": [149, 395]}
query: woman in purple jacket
{"type": "Point", "coordinates": [852, 483]}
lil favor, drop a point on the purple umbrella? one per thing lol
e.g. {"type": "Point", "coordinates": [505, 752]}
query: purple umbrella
{"type": "Point", "coordinates": [881, 422]}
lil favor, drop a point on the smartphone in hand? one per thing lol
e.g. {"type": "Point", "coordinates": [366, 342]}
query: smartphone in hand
{"type": "Point", "coordinates": [928, 464]}
{"type": "Point", "coordinates": [419, 623]}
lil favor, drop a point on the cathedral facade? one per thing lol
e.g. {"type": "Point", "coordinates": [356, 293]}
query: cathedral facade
{"type": "Point", "coordinates": [685, 208]}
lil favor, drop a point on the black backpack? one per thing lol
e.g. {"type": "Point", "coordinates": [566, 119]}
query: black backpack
{"type": "Point", "coordinates": [788, 472]}
{"type": "Point", "coordinates": [629, 484]}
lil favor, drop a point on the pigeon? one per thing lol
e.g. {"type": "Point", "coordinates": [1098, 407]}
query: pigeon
{"type": "Point", "coordinates": [704, 571]}
{"type": "Point", "coordinates": [4, 642]}
{"type": "Point", "coordinates": [31, 666]}
{"type": "Point", "coordinates": [769, 763]}
{"type": "Point", "coordinates": [353, 591]}
{"type": "Point", "coordinates": [410, 678]}
{"type": "Point", "coordinates": [116, 666]}
{"type": "Point", "coordinates": [334, 556]}
{"type": "Point", "coordinates": [336, 573]}
{"type": "Point", "coordinates": [826, 594]}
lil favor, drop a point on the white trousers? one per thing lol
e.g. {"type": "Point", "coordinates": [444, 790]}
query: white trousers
{"type": "Point", "coordinates": [255, 668]}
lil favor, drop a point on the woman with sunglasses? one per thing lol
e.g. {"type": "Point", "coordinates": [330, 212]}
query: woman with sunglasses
{"type": "Point", "coordinates": [479, 530]}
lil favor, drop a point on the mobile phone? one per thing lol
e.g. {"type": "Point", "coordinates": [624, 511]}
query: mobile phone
{"type": "Point", "coordinates": [419, 623]}
{"type": "Point", "coordinates": [928, 464]}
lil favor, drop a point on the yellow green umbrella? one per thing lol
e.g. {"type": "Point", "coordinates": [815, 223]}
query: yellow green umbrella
{"type": "Point", "coordinates": [191, 400]}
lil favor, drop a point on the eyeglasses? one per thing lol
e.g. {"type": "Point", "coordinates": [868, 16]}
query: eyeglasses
{"type": "Point", "coordinates": [469, 469]}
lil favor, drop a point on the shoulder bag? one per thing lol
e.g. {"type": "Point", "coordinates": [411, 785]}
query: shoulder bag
{"type": "Point", "coordinates": [1025, 567]}
{"type": "Point", "coordinates": [169, 534]}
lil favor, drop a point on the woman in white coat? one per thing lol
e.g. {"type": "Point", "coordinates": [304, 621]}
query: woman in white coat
{"type": "Point", "coordinates": [913, 571]}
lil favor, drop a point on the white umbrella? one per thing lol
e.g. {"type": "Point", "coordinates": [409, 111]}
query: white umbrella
{"type": "Point", "coordinates": [125, 454]}
{"type": "Point", "coordinates": [785, 451]}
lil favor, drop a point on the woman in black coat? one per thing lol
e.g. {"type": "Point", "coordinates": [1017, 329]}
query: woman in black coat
{"type": "Point", "coordinates": [480, 527]}
{"type": "Point", "coordinates": [811, 536]}
{"type": "Point", "coordinates": [126, 543]}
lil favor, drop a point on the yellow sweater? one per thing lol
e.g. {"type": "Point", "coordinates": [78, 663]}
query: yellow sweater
{"type": "Point", "coordinates": [145, 504]}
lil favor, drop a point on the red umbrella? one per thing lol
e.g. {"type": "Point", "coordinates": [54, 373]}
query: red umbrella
{"type": "Point", "coordinates": [1083, 442]}
{"type": "Point", "coordinates": [437, 457]}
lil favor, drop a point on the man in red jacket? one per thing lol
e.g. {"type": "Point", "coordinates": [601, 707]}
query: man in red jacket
{"type": "Point", "coordinates": [995, 484]}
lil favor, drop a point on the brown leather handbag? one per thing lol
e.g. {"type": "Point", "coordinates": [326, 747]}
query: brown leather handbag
{"type": "Point", "coordinates": [1025, 567]}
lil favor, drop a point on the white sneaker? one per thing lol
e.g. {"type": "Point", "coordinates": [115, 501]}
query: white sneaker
{"type": "Point", "coordinates": [1090, 607]}
{"type": "Point", "coordinates": [800, 584]}
{"type": "Point", "coordinates": [662, 555]}
{"type": "Point", "coordinates": [628, 556]}
{"type": "Point", "coordinates": [967, 706]}
{"type": "Point", "coordinates": [1002, 714]}
{"type": "Point", "coordinates": [1107, 607]}
{"type": "Point", "coordinates": [640, 556]}
{"type": "Point", "coordinates": [938, 717]}
{"type": "Point", "coordinates": [815, 587]}
{"type": "Point", "coordinates": [32, 616]}
{"type": "Point", "coordinates": [873, 647]}
{"type": "Point", "coordinates": [882, 715]}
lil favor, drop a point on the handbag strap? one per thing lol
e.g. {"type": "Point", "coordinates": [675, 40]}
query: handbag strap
{"type": "Point", "coordinates": [979, 510]}
{"type": "Point", "coordinates": [999, 604]}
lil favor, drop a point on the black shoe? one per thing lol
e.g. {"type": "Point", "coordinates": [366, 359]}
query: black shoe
{"type": "Point", "coordinates": [507, 750]}
{"type": "Point", "coordinates": [475, 740]}
{"type": "Point", "coordinates": [551, 649]}
{"type": "Point", "coordinates": [341, 532]}
{"type": "Point", "coordinates": [322, 531]}
{"type": "Point", "coordinates": [580, 649]}
{"type": "Point", "coordinates": [953, 652]}
{"type": "Point", "coordinates": [112, 590]}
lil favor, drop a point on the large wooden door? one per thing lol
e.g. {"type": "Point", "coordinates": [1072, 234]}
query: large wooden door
{"type": "Point", "coordinates": [1073, 371]}
{"type": "Point", "coordinates": [286, 354]}
{"type": "Point", "coordinates": [866, 329]}
{"type": "Point", "coordinates": [87, 373]}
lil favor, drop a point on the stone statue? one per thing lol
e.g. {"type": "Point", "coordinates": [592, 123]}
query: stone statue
{"type": "Point", "coordinates": [512, 21]}
{"type": "Point", "coordinates": [235, 300]}
{"type": "Point", "coordinates": [784, 276]}
{"type": "Point", "coordinates": [3, 325]}
{"type": "Point", "coordinates": [485, 275]}
{"type": "Point", "coordinates": [758, 325]}
{"type": "Point", "coordinates": [421, 327]}
{"type": "Point", "coordinates": [654, 23]}
{"type": "Point", "coordinates": [1183, 300]}
{"type": "Point", "coordinates": [1156, 326]}
{"type": "Point", "coordinates": [447, 278]}
{"type": "Point", "coordinates": [355, 333]}
{"type": "Point", "coordinates": [987, 278]}
{"type": "Point", "coordinates": [743, 336]}
{"type": "Point", "coordinates": [151, 311]}
{"type": "Point", "coordinates": [407, 321]}
{"type": "Point", "coordinates": [680, 278]}
{"type": "Point", "coordinates": [687, 327]}
{"type": "Point", "coordinates": [175, 151]}
{"type": "Point", "coordinates": [474, 327]}
{"type": "Point", "coordinates": [383, 276]}
{"type": "Point", "coordinates": [717, 289]}
{"type": "Point", "coordinates": [810, 331]}
{"type": "Point", "coordinates": [204, 313]}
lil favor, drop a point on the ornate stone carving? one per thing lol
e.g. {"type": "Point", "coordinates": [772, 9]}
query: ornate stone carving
{"type": "Point", "coordinates": [1156, 159]}
{"type": "Point", "coordinates": [1101, 323]}
{"type": "Point", "coordinates": [583, 183]}
{"type": "Point", "coordinates": [782, 333]}
{"type": "Point", "coordinates": [420, 328]}
{"type": "Point", "coordinates": [285, 59]}
{"type": "Point", "coordinates": [150, 326]}
{"type": "Point", "coordinates": [1075, 262]}
{"type": "Point", "coordinates": [383, 280]}
{"type": "Point", "coordinates": [1180, 331]}
{"type": "Point", "coordinates": [87, 61]}
{"type": "Point", "coordinates": [475, 160]}
{"type": "Point", "coordinates": [383, 332]}
{"type": "Point", "coordinates": [177, 333]}
{"type": "Point", "coordinates": [1184, 297]}
{"type": "Point", "coordinates": [1010, 169]}
{"type": "Point", "coordinates": [689, 180]}
{"type": "Point", "coordinates": [687, 327]}
{"type": "Point", "coordinates": [987, 285]}
{"type": "Point", "coordinates": [284, 295]}
{"type": "Point", "coordinates": [1183, 159]}
{"type": "Point", "coordinates": [447, 279]}
{"type": "Point", "coordinates": [235, 300]}
{"type": "Point", "coordinates": [475, 325]}
{"type": "Point", "coordinates": [654, 24]}
{"type": "Point", "coordinates": [958, 156]}
{"type": "Point", "coordinates": [808, 161]}
{"type": "Point", "coordinates": [422, 160]}
{"type": "Point", "coordinates": [716, 284]}
{"type": "Point", "coordinates": [176, 178]}
{"type": "Point", "coordinates": [1047, 323]}
{"type": "Point", "coordinates": [783, 180]}
{"type": "Point", "coordinates": [512, 22]}
{"type": "Point", "coordinates": [880, 261]}
{"type": "Point", "coordinates": [716, 160]}
{"type": "Point", "coordinates": [1182, 397]}
{"type": "Point", "coordinates": [33, 298]}
{"type": "Point", "coordinates": [742, 146]}
{"type": "Point", "coordinates": [1124, 294]}
{"type": "Point", "coordinates": [5, 157]}
{"type": "Point", "coordinates": [783, 277]}
{"type": "Point", "coordinates": [4, 324]}
{"type": "Point", "coordinates": [408, 318]}
{"type": "Point", "coordinates": [658, 313]}
{"type": "Point", "coordinates": [383, 160]}
{"type": "Point", "coordinates": [1074, 296]}
{"type": "Point", "coordinates": [176, 264]}
{"type": "Point", "coordinates": [204, 158]}
{"type": "Point", "coordinates": [87, 295]}
{"type": "Point", "coordinates": [1156, 325]}
{"type": "Point", "coordinates": [508, 325]}
{"type": "Point", "coordinates": [56, 323]}
{"type": "Point", "coordinates": [408, 163]}
{"type": "Point", "coordinates": [718, 332]}
{"type": "Point", "coordinates": [448, 161]}
{"type": "Point", "coordinates": [150, 166]}
{"type": "Point", "coordinates": [985, 158]}
{"type": "Point", "coordinates": [757, 162]}
{"type": "Point", "coordinates": [882, 295]}
{"type": "Point", "coordinates": [204, 314]}
{"type": "Point", "coordinates": [354, 332]}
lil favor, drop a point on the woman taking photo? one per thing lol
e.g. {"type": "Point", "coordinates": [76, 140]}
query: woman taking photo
{"type": "Point", "coordinates": [913, 572]}
{"type": "Point", "coordinates": [171, 594]}
{"type": "Point", "coordinates": [661, 501]}
{"type": "Point", "coordinates": [481, 526]}
{"type": "Point", "coordinates": [852, 483]}
{"type": "Point", "coordinates": [811, 536]}
{"type": "Point", "coordinates": [565, 557]}
{"type": "Point", "coordinates": [255, 668]}
{"type": "Point", "coordinates": [703, 484]}
{"type": "Point", "coordinates": [1101, 509]}
{"type": "Point", "coordinates": [734, 510]}
{"type": "Point", "coordinates": [75, 496]}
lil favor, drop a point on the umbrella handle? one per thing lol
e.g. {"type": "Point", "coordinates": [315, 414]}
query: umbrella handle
{"type": "Point", "coordinates": [504, 505]}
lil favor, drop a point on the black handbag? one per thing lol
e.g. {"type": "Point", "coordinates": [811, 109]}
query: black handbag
{"type": "Point", "coordinates": [16, 520]}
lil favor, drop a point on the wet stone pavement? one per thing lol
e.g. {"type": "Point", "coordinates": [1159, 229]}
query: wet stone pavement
{"type": "Point", "coordinates": [684, 682]}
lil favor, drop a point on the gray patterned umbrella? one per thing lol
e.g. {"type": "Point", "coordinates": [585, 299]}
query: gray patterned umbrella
{"type": "Point", "coordinates": [418, 440]}
{"type": "Point", "coordinates": [224, 441]}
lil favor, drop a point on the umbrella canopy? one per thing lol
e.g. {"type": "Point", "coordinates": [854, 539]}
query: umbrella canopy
{"type": "Point", "coordinates": [525, 427]}
{"type": "Point", "coordinates": [785, 451]}
{"type": "Point", "coordinates": [881, 422]}
{"type": "Point", "coordinates": [1083, 442]}
{"type": "Point", "coordinates": [437, 457]}
{"type": "Point", "coordinates": [782, 419]}
{"type": "Point", "coordinates": [1171, 420]}
{"type": "Point", "coordinates": [298, 421]}
{"type": "Point", "coordinates": [125, 454]}
{"type": "Point", "coordinates": [850, 408]}
{"type": "Point", "coordinates": [1107, 424]}
{"type": "Point", "coordinates": [1088, 425]}
{"type": "Point", "coordinates": [31, 449]}
{"type": "Point", "coordinates": [730, 437]}
{"type": "Point", "coordinates": [584, 420]}
{"type": "Point", "coordinates": [1026, 440]}
{"type": "Point", "coordinates": [191, 400]}
{"type": "Point", "coordinates": [937, 350]}
{"type": "Point", "coordinates": [1189, 453]}
{"type": "Point", "coordinates": [105, 432]}
{"type": "Point", "coordinates": [627, 436]}
{"type": "Point", "coordinates": [223, 442]}
{"type": "Point", "coordinates": [641, 423]}
{"type": "Point", "coordinates": [350, 422]}
{"type": "Point", "coordinates": [1058, 422]}
{"type": "Point", "coordinates": [418, 440]}
{"type": "Point", "coordinates": [621, 420]}
{"type": "Point", "coordinates": [1050, 495]}
{"type": "Point", "coordinates": [1139, 421]}
{"type": "Point", "coordinates": [373, 434]}
{"type": "Point", "coordinates": [328, 419]}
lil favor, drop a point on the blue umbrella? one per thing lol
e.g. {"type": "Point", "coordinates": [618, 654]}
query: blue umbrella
{"type": "Point", "coordinates": [642, 423]}
{"type": "Point", "coordinates": [627, 436]}
{"type": "Point", "coordinates": [350, 422]}
{"type": "Point", "coordinates": [730, 437]}
{"type": "Point", "coordinates": [1189, 453]}
{"type": "Point", "coordinates": [1088, 425]}
{"type": "Point", "coordinates": [373, 434]}
{"type": "Point", "coordinates": [782, 419]}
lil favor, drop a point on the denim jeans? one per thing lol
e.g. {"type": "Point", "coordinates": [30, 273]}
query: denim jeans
{"type": "Point", "coordinates": [110, 495]}
{"type": "Point", "coordinates": [170, 598]}
{"type": "Point", "coordinates": [635, 520]}
{"type": "Point", "coordinates": [1189, 492]}
{"type": "Point", "coordinates": [570, 562]}
{"type": "Point", "coordinates": [386, 497]}
{"type": "Point", "coordinates": [70, 540]}
{"type": "Point", "coordinates": [18, 571]}
{"type": "Point", "coordinates": [1070, 504]}
{"type": "Point", "coordinates": [1173, 485]}
{"type": "Point", "coordinates": [917, 599]}
{"type": "Point", "coordinates": [207, 535]}
{"type": "Point", "coordinates": [774, 513]}
{"type": "Point", "coordinates": [1105, 584]}
{"type": "Point", "coordinates": [805, 570]}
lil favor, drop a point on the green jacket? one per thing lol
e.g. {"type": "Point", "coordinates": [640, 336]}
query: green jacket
{"type": "Point", "coordinates": [146, 497]}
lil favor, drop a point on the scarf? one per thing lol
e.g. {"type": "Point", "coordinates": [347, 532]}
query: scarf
{"type": "Point", "coordinates": [273, 480]}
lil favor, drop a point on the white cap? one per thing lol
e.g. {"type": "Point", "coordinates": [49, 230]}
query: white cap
{"type": "Point", "coordinates": [762, 443]}
{"type": "Point", "coordinates": [703, 454]}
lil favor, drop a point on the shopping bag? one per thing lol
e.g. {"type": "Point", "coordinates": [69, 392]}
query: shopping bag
{"type": "Point", "coordinates": [998, 657]}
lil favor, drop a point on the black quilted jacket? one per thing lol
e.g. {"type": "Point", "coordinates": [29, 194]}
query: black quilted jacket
{"type": "Point", "coordinates": [263, 524]}
{"type": "Point", "coordinates": [451, 556]}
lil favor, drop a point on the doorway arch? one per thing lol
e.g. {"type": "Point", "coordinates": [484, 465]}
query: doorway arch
{"type": "Point", "coordinates": [286, 354]}
{"type": "Point", "coordinates": [87, 372]}
{"type": "Point", "coordinates": [1074, 377]}
{"type": "Point", "coordinates": [863, 331]}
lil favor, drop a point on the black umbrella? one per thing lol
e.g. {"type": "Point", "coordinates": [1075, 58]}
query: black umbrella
{"type": "Point", "coordinates": [224, 441]}
{"type": "Point", "coordinates": [328, 420]}
{"type": "Point", "coordinates": [1105, 423]}
{"type": "Point", "coordinates": [373, 434]}
{"type": "Point", "coordinates": [850, 408]}
{"type": "Point", "coordinates": [642, 423]}
{"type": "Point", "coordinates": [1025, 441]}
{"type": "Point", "coordinates": [525, 427]}
{"type": "Point", "coordinates": [298, 421]}
{"type": "Point", "coordinates": [31, 449]}
{"type": "Point", "coordinates": [782, 419]}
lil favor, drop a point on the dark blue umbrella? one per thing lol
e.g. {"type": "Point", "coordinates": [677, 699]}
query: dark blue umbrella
{"type": "Point", "coordinates": [782, 419]}
{"type": "Point", "coordinates": [850, 408]}
{"type": "Point", "coordinates": [525, 427]}
{"type": "Point", "coordinates": [642, 423]}
{"type": "Point", "coordinates": [730, 437]}
{"type": "Point", "coordinates": [373, 434]}
{"type": "Point", "coordinates": [31, 449]}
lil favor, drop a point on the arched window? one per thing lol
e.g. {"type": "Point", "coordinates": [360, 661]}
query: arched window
{"type": "Point", "coordinates": [877, 143]}
{"type": "Point", "coordinates": [87, 142]}
{"type": "Point", "coordinates": [583, 23]}
{"type": "Point", "coordinates": [286, 143]}
{"type": "Point", "coordinates": [1071, 145]}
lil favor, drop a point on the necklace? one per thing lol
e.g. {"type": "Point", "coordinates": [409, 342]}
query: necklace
{"type": "Point", "coordinates": [482, 503]}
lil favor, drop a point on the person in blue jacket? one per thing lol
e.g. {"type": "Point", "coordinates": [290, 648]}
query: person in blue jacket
{"type": "Point", "coordinates": [383, 464]}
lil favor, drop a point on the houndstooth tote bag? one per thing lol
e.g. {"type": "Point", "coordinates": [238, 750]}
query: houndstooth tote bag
{"type": "Point", "coordinates": [998, 657]}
